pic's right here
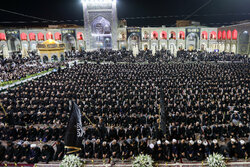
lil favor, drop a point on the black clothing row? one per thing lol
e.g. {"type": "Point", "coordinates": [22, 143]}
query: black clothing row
{"type": "Point", "coordinates": [167, 151]}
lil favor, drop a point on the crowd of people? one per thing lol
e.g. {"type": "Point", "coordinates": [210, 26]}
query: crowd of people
{"type": "Point", "coordinates": [193, 150]}
{"type": "Point", "coordinates": [23, 151]}
{"type": "Point", "coordinates": [211, 56]}
{"type": "Point", "coordinates": [160, 56]}
{"type": "Point", "coordinates": [206, 105]}
{"type": "Point", "coordinates": [121, 56]}
{"type": "Point", "coordinates": [18, 67]}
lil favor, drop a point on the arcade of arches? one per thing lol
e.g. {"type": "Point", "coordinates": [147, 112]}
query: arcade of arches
{"type": "Point", "coordinates": [233, 38]}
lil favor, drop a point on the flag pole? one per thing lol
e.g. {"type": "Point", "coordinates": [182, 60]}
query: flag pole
{"type": "Point", "coordinates": [88, 119]}
{"type": "Point", "coordinates": [84, 114]}
{"type": "Point", "coordinates": [3, 109]}
{"type": "Point", "coordinates": [158, 107]}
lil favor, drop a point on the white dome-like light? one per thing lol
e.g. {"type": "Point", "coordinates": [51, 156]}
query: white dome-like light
{"type": "Point", "coordinates": [98, 1]}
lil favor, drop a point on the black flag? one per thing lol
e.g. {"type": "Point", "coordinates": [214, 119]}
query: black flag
{"type": "Point", "coordinates": [74, 132]}
{"type": "Point", "coordinates": [163, 113]}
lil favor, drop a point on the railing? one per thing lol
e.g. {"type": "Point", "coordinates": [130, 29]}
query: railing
{"type": "Point", "coordinates": [231, 164]}
{"type": "Point", "coordinates": [188, 164]}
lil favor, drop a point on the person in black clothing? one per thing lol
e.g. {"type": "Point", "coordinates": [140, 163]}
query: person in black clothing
{"type": "Point", "coordinates": [121, 133]}
{"type": "Point", "coordinates": [183, 148]}
{"type": "Point", "coordinates": [17, 152]}
{"type": "Point", "coordinates": [151, 150]}
{"type": "Point", "coordinates": [200, 151]}
{"type": "Point", "coordinates": [25, 151]}
{"type": "Point", "coordinates": [175, 150]}
{"type": "Point", "coordinates": [115, 149]}
{"type": "Point", "coordinates": [142, 146]}
{"type": "Point", "coordinates": [191, 152]}
{"type": "Point", "coordinates": [248, 148]}
{"type": "Point", "coordinates": [242, 150]}
{"type": "Point", "coordinates": [167, 150]}
{"type": "Point", "coordinates": [88, 149]}
{"type": "Point", "coordinates": [159, 151]}
{"type": "Point", "coordinates": [59, 153]}
{"type": "Point", "coordinates": [2, 152]}
{"type": "Point", "coordinates": [97, 150]}
{"type": "Point", "coordinates": [105, 150]}
{"type": "Point", "coordinates": [215, 148]}
{"type": "Point", "coordinates": [125, 150]}
{"type": "Point", "coordinates": [232, 148]}
{"type": "Point", "coordinates": [34, 154]}
{"type": "Point", "coordinates": [46, 153]}
{"type": "Point", "coordinates": [9, 152]}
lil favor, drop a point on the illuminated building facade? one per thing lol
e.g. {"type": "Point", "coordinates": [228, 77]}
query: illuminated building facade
{"type": "Point", "coordinates": [103, 30]}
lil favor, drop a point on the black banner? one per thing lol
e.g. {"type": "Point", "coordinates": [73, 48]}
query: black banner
{"type": "Point", "coordinates": [193, 30]}
{"type": "Point", "coordinates": [74, 132]}
{"type": "Point", "coordinates": [12, 34]}
{"type": "Point", "coordinates": [134, 32]}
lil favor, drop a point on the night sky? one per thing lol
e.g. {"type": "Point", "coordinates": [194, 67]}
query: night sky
{"type": "Point", "coordinates": [217, 13]}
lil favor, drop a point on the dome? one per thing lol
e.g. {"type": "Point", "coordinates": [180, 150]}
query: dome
{"type": "Point", "coordinates": [50, 41]}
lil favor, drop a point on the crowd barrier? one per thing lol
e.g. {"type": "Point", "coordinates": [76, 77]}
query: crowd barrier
{"type": "Point", "coordinates": [230, 164]}
{"type": "Point", "coordinates": [23, 81]}
{"type": "Point", "coordinates": [17, 165]}
{"type": "Point", "coordinates": [29, 79]}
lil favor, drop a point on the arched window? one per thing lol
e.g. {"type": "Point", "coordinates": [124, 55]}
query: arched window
{"type": "Point", "coordinates": [213, 35]}
{"type": "Point", "coordinates": [219, 34]}
{"type": "Point", "coordinates": [32, 36]}
{"type": "Point", "coordinates": [54, 58]}
{"type": "Point", "coordinates": [2, 37]}
{"type": "Point", "coordinates": [234, 34]}
{"type": "Point", "coordinates": [229, 34]}
{"type": "Point", "coordinates": [24, 36]}
{"type": "Point", "coordinates": [181, 35]}
{"type": "Point", "coordinates": [172, 35]}
{"type": "Point", "coordinates": [58, 36]}
{"type": "Point", "coordinates": [80, 36]}
{"type": "Point", "coordinates": [224, 35]}
{"type": "Point", "coordinates": [204, 35]}
{"type": "Point", "coordinates": [49, 35]}
{"type": "Point", "coordinates": [163, 35]}
{"type": "Point", "coordinates": [40, 36]}
{"type": "Point", "coordinates": [154, 35]}
{"type": "Point", "coordinates": [62, 57]}
{"type": "Point", "coordinates": [45, 59]}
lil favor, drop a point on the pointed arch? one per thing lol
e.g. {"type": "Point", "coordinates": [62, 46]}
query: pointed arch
{"type": "Point", "coordinates": [79, 36]}
{"type": "Point", "coordinates": [181, 35]}
{"type": "Point", "coordinates": [163, 35]}
{"type": "Point", "coordinates": [40, 36]}
{"type": "Point", "coordinates": [32, 36]}
{"type": "Point", "coordinates": [234, 34]}
{"type": "Point", "coordinates": [24, 36]}
{"type": "Point", "coordinates": [2, 37]}
{"type": "Point", "coordinates": [49, 35]}
{"type": "Point", "coordinates": [172, 35]}
{"type": "Point", "coordinates": [204, 35]}
{"type": "Point", "coordinates": [229, 35]}
{"type": "Point", "coordinates": [213, 35]}
{"type": "Point", "coordinates": [224, 34]}
{"type": "Point", "coordinates": [219, 34]}
{"type": "Point", "coordinates": [154, 35]}
{"type": "Point", "coordinates": [58, 36]}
